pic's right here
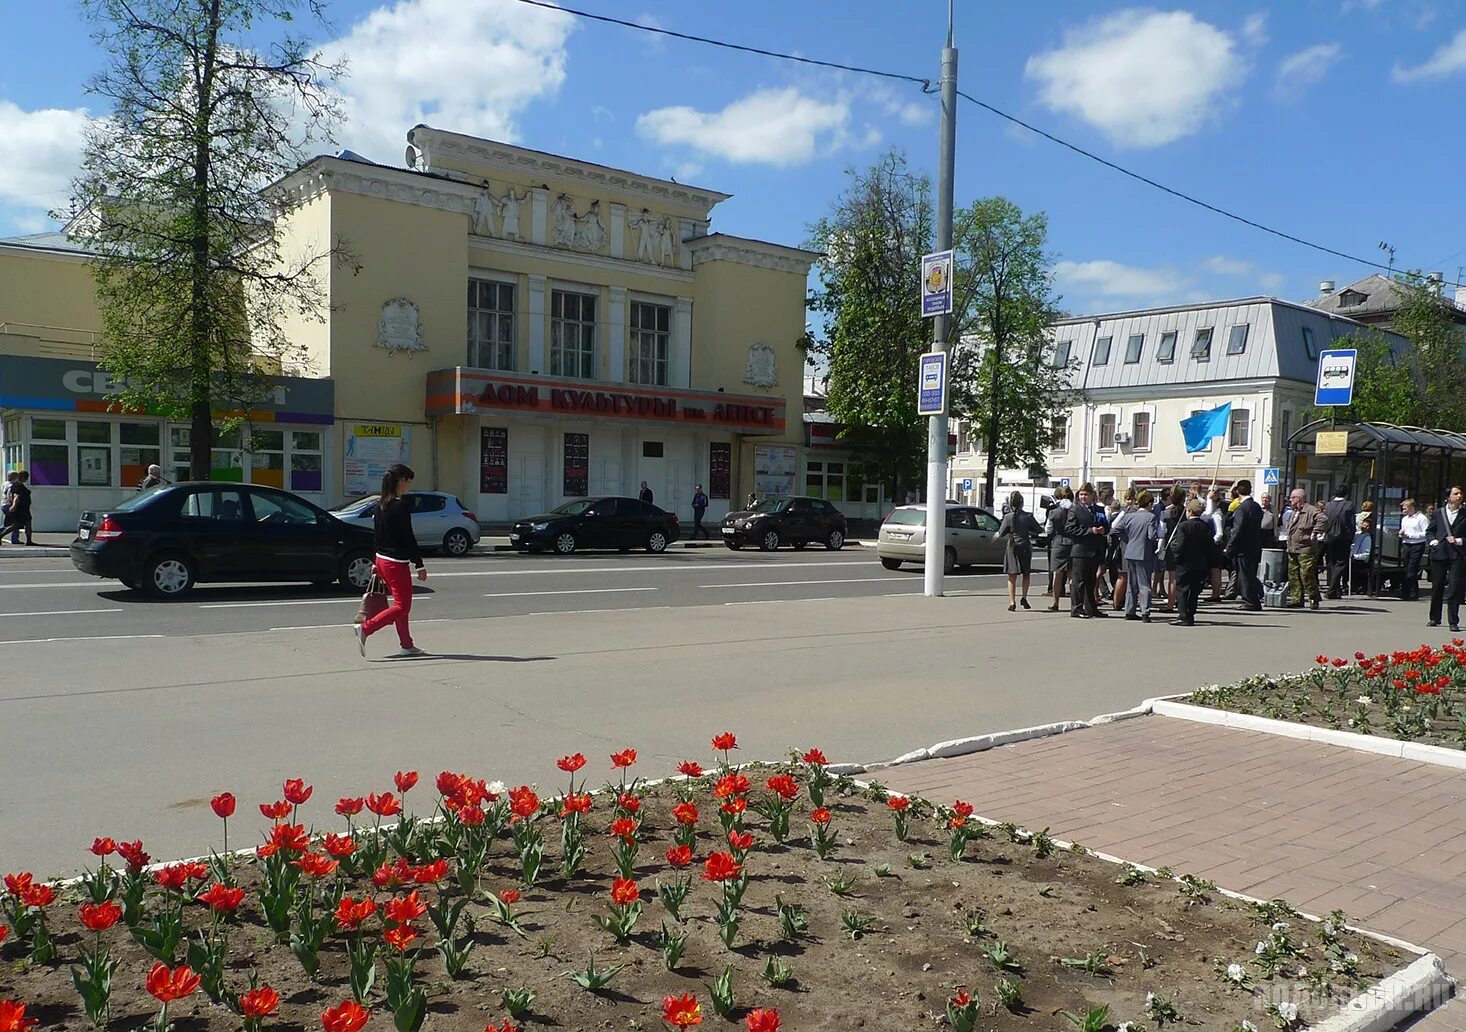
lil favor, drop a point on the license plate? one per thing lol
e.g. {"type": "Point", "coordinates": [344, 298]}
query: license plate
{"type": "Point", "coordinates": [898, 536]}
{"type": "Point", "coordinates": [727, 530]}
{"type": "Point", "coordinates": [86, 534]}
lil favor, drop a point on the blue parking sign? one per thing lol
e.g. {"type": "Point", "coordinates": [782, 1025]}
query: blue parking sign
{"type": "Point", "coordinates": [967, 483]}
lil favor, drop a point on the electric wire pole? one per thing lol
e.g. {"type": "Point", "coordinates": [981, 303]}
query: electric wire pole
{"type": "Point", "coordinates": [936, 440]}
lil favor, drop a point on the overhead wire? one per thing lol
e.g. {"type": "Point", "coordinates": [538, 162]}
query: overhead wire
{"type": "Point", "coordinates": [926, 86]}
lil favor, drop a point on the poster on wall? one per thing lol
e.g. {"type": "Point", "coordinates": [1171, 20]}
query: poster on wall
{"type": "Point", "coordinates": [773, 470]}
{"type": "Point", "coordinates": [370, 449]}
{"type": "Point", "coordinates": [493, 457]}
{"type": "Point", "coordinates": [720, 469]}
{"type": "Point", "coordinates": [577, 465]}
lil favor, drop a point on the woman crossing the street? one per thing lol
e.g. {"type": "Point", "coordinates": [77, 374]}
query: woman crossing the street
{"type": "Point", "coordinates": [396, 549]}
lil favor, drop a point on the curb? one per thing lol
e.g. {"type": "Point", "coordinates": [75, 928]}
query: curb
{"type": "Point", "coordinates": [1394, 998]}
{"type": "Point", "coordinates": [33, 552]}
{"type": "Point", "coordinates": [1419, 752]}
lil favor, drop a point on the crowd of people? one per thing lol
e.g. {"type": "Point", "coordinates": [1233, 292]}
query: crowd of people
{"type": "Point", "coordinates": [1145, 553]}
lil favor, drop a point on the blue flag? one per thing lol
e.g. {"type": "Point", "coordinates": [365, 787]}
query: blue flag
{"type": "Point", "coordinates": [1202, 427]}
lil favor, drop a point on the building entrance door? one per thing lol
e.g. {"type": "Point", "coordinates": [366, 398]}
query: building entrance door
{"type": "Point", "coordinates": [652, 469]}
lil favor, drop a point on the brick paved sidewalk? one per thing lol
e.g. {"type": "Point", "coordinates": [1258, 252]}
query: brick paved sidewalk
{"type": "Point", "coordinates": [1383, 839]}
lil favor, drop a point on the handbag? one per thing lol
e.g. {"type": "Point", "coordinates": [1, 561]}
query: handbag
{"type": "Point", "coordinates": [374, 601]}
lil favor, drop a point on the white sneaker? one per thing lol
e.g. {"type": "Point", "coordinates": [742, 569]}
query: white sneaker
{"type": "Point", "coordinates": [360, 639]}
{"type": "Point", "coordinates": [405, 653]}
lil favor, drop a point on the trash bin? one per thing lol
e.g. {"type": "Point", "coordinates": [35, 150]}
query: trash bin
{"type": "Point", "coordinates": [1274, 566]}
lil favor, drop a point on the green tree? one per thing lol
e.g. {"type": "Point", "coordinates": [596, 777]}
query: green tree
{"type": "Point", "coordinates": [1004, 382]}
{"type": "Point", "coordinates": [873, 240]}
{"type": "Point", "coordinates": [1437, 346]}
{"type": "Point", "coordinates": [193, 279]}
{"type": "Point", "coordinates": [1385, 388]}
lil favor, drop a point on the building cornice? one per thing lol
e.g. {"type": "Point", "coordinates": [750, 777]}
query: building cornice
{"type": "Point", "coordinates": [720, 247]}
{"type": "Point", "coordinates": [479, 246]}
{"type": "Point", "coordinates": [502, 157]}
{"type": "Point", "coordinates": [1161, 391]}
{"type": "Point", "coordinates": [325, 174]}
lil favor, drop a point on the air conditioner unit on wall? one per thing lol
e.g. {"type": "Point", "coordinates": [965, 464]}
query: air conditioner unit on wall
{"type": "Point", "coordinates": [1121, 437]}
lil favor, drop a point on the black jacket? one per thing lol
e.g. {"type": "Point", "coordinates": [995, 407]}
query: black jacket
{"type": "Point", "coordinates": [20, 502]}
{"type": "Point", "coordinates": [1078, 526]}
{"type": "Point", "coordinates": [1191, 548]}
{"type": "Point", "coordinates": [1246, 538]}
{"type": "Point", "coordinates": [1443, 527]}
{"type": "Point", "coordinates": [394, 536]}
{"type": "Point", "coordinates": [1340, 531]}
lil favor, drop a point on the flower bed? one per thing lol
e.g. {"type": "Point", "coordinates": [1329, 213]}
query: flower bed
{"type": "Point", "coordinates": [756, 897]}
{"type": "Point", "coordinates": [1412, 696]}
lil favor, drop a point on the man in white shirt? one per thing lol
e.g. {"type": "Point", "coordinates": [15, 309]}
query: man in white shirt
{"type": "Point", "coordinates": [1414, 534]}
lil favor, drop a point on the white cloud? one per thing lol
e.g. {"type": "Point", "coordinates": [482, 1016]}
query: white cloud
{"type": "Point", "coordinates": [1103, 283]}
{"type": "Point", "coordinates": [1113, 281]}
{"type": "Point", "coordinates": [780, 127]}
{"type": "Point", "coordinates": [43, 149]}
{"type": "Point", "coordinates": [470, 66]}
{"type": "Point", "coordinates": [1254, 29]}
{"type": "Point", "coordinates": [1449, 60]}
{"type": "Point", "coordinates": [1143, 78]}
{"type": "Point", "coordinates": [1307, 67]}
{"type": "Point", "coordinates": [1240, 269]}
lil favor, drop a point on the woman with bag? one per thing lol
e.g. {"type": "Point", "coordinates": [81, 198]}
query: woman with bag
{"type": "Point", "coordinates": [396, 548]}
{"type": "Point", "coordinates": [1020, 528]}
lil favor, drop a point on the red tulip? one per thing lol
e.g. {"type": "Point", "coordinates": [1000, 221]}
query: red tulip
{"type": "Point", "coordinates": [223, 899]}
{"type": "Point", "coordinates": [471, 816]}
{"type": "Point", "coordinates": [13, 1019]}
{"type": "Point", "coordinates": [574, 803]}
{"type": "Point", "coordinates": [350, 1016]}
{"type": "Point", "coordinates": [316, 865]}
{"type": "Point", "coordinates": [733, 807]}
{"type": "Point", "coordinates": [390, 875]}
{"type": "Point", "coordinates": [402, 909]}
{"type": "Point", "coordinates": [898, 803]}
{"type": "Point", "coordinates": [297, 791]}
{"type": "Point", "coordinates": [276, 811]}
{"type": "Point", "coordinates": [171, 877]}
{"type": "Point", "coordinates": [509, 896]}
{"type": "Point", "coordinates": [686, 813]}
{"type": "Point", "coordinates": [223, 805]}
{"type": "Point", "coordinates": [100, 916]}
{"type": "Point", "coordinates": [682, 1011]}
{"type": "Point", "coordinates": [17, 884]}
{"type": "Point", "coordinates": [523, 803]}
{"type": "Point", "coordinates": [1321, 660]}
{"type": "Point", "coordinates": [1339, 664]}
{"type": "Point", "coordinates": [506, 1027]}
{"type": "Point", "coordinates": [962, 809]}
{"type": "Point", "coordinates": [720, 867]}
{"type": "Point", "coordinates": [350, 913]}
{"type": "Point", "coordinates": [258, 1003]}
{"type": "Point", "coordinates": [740, 841]}
{"type": "Point", "coordinates": [167, 986]}
{"type": "Point", "coordinates": [783, 786]}
{"type": "Point", "coordinates": [623, 759]}
{"type": "Point", "coordinates": [401, 937]}
{"type": "Point", "coordinates": [624, 828]}
{"type": "Point", "coordinates": [103, 847]}
{"type": "Point", "coordinates": [404, 780]}
{"type": "Point", "coordinates": [449, 784]}
{"type": "Point", "coordinates": [290, 837]}
{"type": "Point", "coordinates": [429, 874]}
{"type": "Point", "coordinates": [679, 856]}
{"type": "Point", "coordinates": [132, 852]}
{"type": "Point", "coordinates": [691, 769]}
{"type": "Point", "coordinates": [340, 846]}
{"type": "Point", "coordinates": [384, 805]}
{"type": "Point", "coordinates": [762, 1021]}
{"type": "Point", "coordinates": [725, 741]}
{"type": "Point", "coordinates": [624, 891]}
{"type": "Point", "coordinates": [628, 802]}
{"type": "Point", "coordinates": [731, 785]}
{"type": "Point", "coordinates": [820, 815]}
{"type": "Point", "coordinates": [350, 807]}
{"type": "Point", "coordinates": [4, 931]}
{"type": "Point", "coordinates": [571, 764]}
{"type": "Point", "coordinates": [815, 757]}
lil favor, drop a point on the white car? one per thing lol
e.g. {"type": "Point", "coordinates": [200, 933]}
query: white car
{"type": "Point", "coordinates": [438, 519]}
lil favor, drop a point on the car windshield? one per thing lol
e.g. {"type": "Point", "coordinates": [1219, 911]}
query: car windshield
{"type": "Point", "coordinates": [356, 503]}
{"type": "Point", "coordinates": [770, 505]}
{"type": "Point", "coordinates": [138, 500]}
{"type": "Point", "coordinates": [574, 508]}
{"type": "Point", "coordinates": [908, 517]}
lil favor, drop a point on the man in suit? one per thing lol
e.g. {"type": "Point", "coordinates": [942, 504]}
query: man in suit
{"type": "Point", "coordinates": [1245, 546]}
{"type": "Point", "coordinates": [1339, 538]}
{"type": "Point", "coordinates": [1305, 530]}
{"type": "Point", "coordinates": [1086, 546]}
{"type": "Point", "coordinates": [1448, 539]}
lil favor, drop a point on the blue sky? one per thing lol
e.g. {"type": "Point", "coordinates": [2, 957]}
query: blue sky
{"type": "Point", "coordinates": [1335, 120]}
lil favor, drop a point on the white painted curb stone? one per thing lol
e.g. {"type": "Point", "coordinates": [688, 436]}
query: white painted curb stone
{"type": "Point", "coordinates": [1419, 987]}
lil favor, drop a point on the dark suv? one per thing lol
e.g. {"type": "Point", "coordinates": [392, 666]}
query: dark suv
{"type": "Point", "coordinates": [777, 521]}
{"type": "Point", "coordinates": [169, 538]}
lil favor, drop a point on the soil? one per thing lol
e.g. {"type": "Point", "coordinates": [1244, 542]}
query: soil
{"type": "Point", "coordinates": [1153, 937]}
{"type": "Point", "coordinates": [1362, 697]}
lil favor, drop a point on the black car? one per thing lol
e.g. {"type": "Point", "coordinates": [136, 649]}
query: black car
{"type": "Point", "coordinates": [779, 521]}
{"type": "Point", "coordinates": [622, 523]}
{"type": "Point", "coordinates": [170, 538]}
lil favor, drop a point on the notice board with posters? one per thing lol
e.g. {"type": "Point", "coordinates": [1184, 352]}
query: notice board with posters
{"type": "Point", "coordinates": [720, 469]}
{"type": "Point", "coordinates": [370, 449]}
{"type": "Point", "coordinates": [773, 470]}
{"type": "Point", "coordinates": [577, 465]}
{"type": "Point", "coordinates": [493, 459]}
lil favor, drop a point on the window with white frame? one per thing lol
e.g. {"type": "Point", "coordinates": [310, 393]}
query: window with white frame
{"type": "Point", "coordinates": [1102, 350]}
{"type": "Point", "coordinates": [1107, 423]}
{"type": "Point", "coordinates": [1237, 339]}
{"type": "Point", "coordinates": [1166, 351]}
{"type": "Point", "coordinates": [490, 324]}
{"type": "Point", "coordinates": [572, 334]}
{"type": "Point", "coordinates": [1059, 433]}
{"type": "Point", "coordinates": [651, 340]}
{"type": "Point", "coordinates": [1239, 429]}
{"type": "Point", "coordinates": [1140, 431]}
{"type": "Point", "coordinates": [1133, 347]}
{"type": "Point", "coordinates": [1061, 353]}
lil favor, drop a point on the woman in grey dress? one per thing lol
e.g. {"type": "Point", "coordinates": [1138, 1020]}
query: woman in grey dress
{"type": "Point", "coordinates": [1058, 546]}
{"type": "Point", "coordinates": [1020, 528]}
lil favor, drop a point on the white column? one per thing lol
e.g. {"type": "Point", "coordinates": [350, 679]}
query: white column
{"type": "Point", "coordinates": [539, 214]}
{"type": "Point", "coordinates": [618, 230]}
{"type": "Point", "coordinates": [688, 229]}
{"type": "Point", "coordinates": [534, 312]}
{"type": "Point", "coordinates": [616, 335]}
{"type": "Point", "coordinates": [679, 373]}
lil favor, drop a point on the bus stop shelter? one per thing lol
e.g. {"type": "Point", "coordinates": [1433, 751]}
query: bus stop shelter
{"type": "Point", "coordinates": [1380, 463]}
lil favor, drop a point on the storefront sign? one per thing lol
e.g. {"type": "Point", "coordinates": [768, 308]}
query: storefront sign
{"type": "Point", "coordinates": [370, 449]}
{"type": "Point", "coordinates": [720, 469]}
{"type": "Point", "coordinates": [1331, 442]}
{"type": "Point", "coordinates": [493, 470]}
{"type": "Point", "coordinates": [577, 465]}
{"type": "Point", "coordinates": [773, 470]}
{"type": "Point", "coordinates": [455, 391]}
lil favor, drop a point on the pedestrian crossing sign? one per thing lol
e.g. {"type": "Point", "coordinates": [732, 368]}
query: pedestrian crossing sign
{"type": "Point", "coordinates": [1270, 477]}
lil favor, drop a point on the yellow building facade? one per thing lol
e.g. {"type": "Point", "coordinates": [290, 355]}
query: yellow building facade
{"type": "Point", "coordinates": [522, 329]}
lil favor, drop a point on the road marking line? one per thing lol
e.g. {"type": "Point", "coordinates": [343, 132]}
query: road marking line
{"type": "Point", "coordinates": [792, 583]}
{"type": "Point", "coordinates": [61, 612]}
{"type": "Point", "coordinates": [300, 602]}
{"type": "Point", "coordinates": [571, 568]}
{"type": "Point", "coordinates": [326, 626]}
{"type": "Point", "coordinates": [99, 582]}
{"type": "Point", "coordinates": [568, 591]}
{"type": "Point", "coordinates": [781, 601]}
{"type": "Point", "coordinates": [577, 612]}
{"type": "Point", "coordinates": [90, 637]}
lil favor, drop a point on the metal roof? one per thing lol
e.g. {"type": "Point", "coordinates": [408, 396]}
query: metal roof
{"type": "Point", "coordinates": [1376, 436]}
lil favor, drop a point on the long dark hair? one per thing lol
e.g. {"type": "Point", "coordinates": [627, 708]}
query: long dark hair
{"type": "Point", "coordinates": [396, 473]}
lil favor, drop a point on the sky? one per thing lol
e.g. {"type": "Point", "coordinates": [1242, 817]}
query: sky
{"type": "Point", "coordinates": [1336, 121]}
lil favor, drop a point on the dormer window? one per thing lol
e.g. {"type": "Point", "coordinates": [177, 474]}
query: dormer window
{"type": "Point", "coordinates": [1351, 298]}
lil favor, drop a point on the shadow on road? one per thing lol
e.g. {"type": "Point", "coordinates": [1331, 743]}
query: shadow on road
{"type": "Point", "coordinates": [468, 658]}
{"type": "Point", "coordinates": [249, 593]}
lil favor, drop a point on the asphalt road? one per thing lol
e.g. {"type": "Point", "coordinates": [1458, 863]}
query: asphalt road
{"type": "Point", "coordinates": [121, 717]}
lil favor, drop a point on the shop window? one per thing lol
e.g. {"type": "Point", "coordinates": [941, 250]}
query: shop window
{"type": "Point", "coordinates": [1107, 423]}
{"type": "Point", "coordinates": [1239, 429]}
{"type": "Point", "coordinates": [306, 465]}
{"type": "Point", "coordinates": [573, 334]}
{"type": "Point", "coordinates": [490, 324]}
{"type": "Point", "coordinates": [1102, 350]}
{"type": "Point", "coordinates": [12, 443]}
{"type": "Point", "coordinates": [226, 461]}
{"type": "Point", "coordinates": [1140, 431]}
{"type": "Point", "coordinates": [93, 453]}
{"type": "Point", "coordinates": [139, 451]}
{"type": "Point", "coordinates": [1166, 351]}
{"type": "Point", "coordinates": [651, 341]}
{"type": "Point", "coordinates": [49, 465]}
{"type": "Point", "coordinates": [178, 455]}
{"type": "Point", "coordinates": [828, 480]}
{"type": "Point", "coordinates": [48, 429]}
{"type": "Point", "coordinates": [267, 457]}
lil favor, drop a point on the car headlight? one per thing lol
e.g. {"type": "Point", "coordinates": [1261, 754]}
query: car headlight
{"type": "Point", "coordinates": [539, 527]}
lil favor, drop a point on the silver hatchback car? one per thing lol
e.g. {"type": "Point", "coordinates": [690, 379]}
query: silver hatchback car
{"type": "Point", "coordinates": [439, 520]}
{"type": "Point", "coordinates": [972, 538]}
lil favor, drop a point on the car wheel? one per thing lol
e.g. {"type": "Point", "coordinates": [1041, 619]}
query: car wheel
{"type": "Point", "coordinates": [891, 564]}
{"type": "Point", "coordinates": [949, 560]}
{"type": "Point", "coordinates": [169, 576]}
{"type": "Point", "coordinates": [836, 540]}
{"type": "Point", "coordinates": [733, 546]}
{"type": "Point", "coordinates": [770, 541]}
{"type": "Point", "coordinates": [457, 542]}
{"type": "Point", "coordinates": [356, 571]}
{"type": "Point", "coordinates": [564, 542]}
{"type": "Point", "coordinates": [656, 542]}
{"type": "Point", "coordinates": [799, 545]}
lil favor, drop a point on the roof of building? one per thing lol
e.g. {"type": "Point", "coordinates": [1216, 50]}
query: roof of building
{"type": "Point", "coordinates": [57, 240]}
{"type": "Point", "coordinates": [1373, 295]}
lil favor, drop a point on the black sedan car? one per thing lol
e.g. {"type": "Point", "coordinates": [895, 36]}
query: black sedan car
{"type": "Point", "coordinates": [170, 538]}
{"type": "Point", "coordinates": [620, 523]}
{"type": "Point", "coordinates": [780, 521]}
